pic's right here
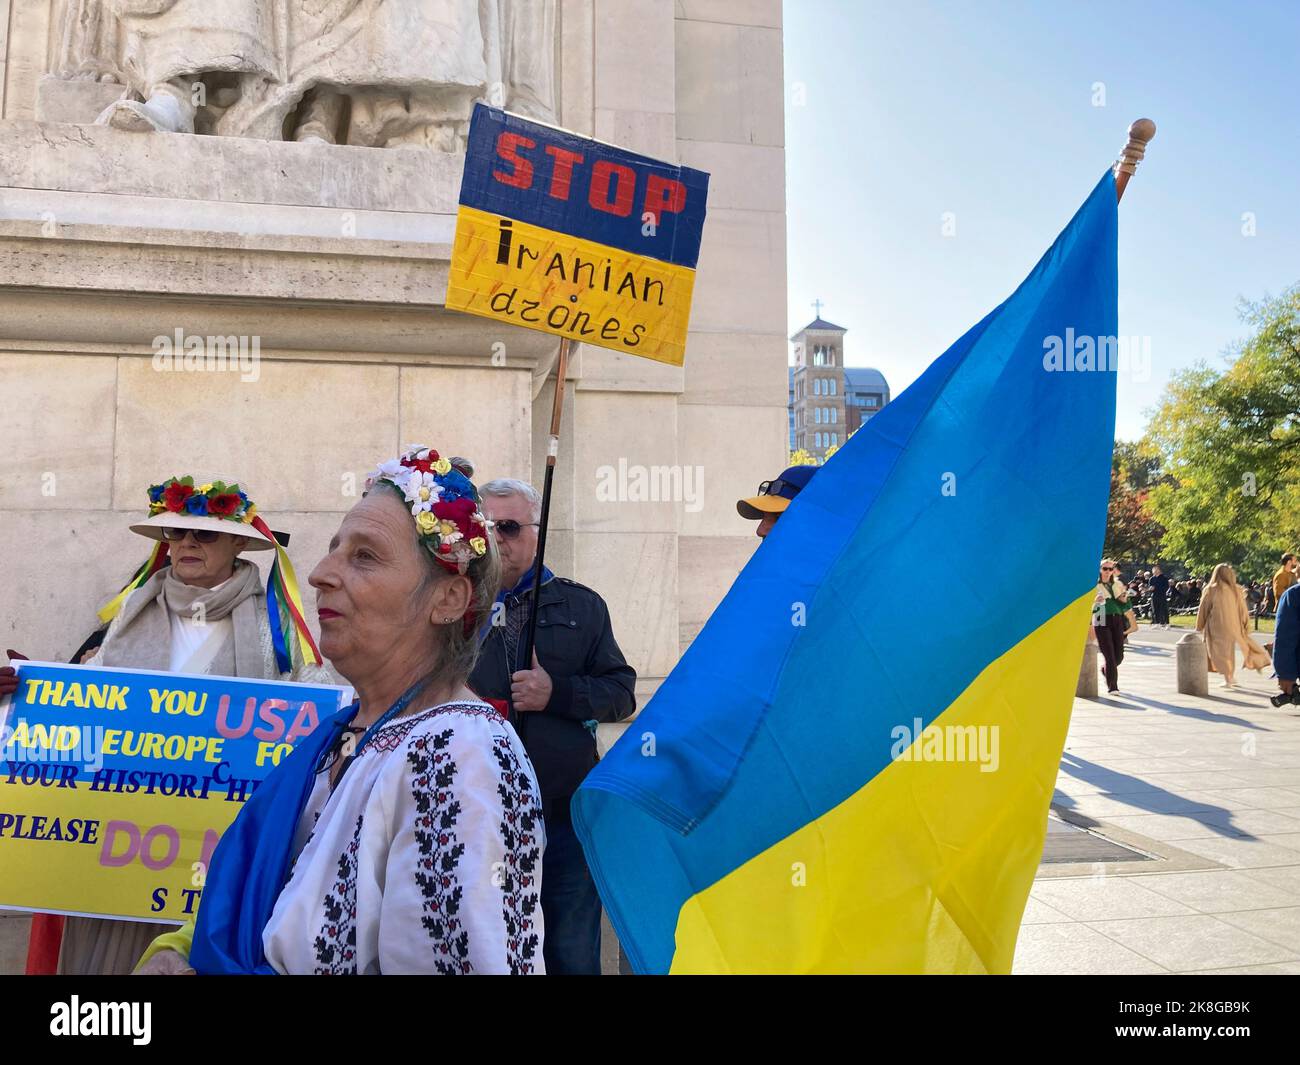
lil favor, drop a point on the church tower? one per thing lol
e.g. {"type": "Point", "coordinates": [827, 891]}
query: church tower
{"type": "Point", "coordinates": [818, 387]}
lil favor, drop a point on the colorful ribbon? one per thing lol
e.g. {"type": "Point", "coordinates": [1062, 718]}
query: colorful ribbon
{"type": "Point", "coordinates": [284, 607]}
{"type": "Point", "coordinates": [151, 566]}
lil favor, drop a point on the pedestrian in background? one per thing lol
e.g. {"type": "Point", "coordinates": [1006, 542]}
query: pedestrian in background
{"type": "Point", "coordinates": [1159, 598]}
{"type": "Point", "coordinates": [1285, 577]}
{"type": "Point", "coordinates": [1286, 647]}
{"type": "Point", "coordinates": [1225, 623]}
{"type": "Point", "coordinates": [1108, 626]}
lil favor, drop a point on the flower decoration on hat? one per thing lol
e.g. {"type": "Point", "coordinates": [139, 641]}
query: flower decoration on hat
{"type": "Point", "coordinates": [213, 500]}
{"type": "Point", "coordinates": [443, 502]}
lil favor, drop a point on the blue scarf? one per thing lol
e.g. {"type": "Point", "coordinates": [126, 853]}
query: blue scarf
{"type": "Point", "coordinates": [525, 584]}
{"type": "Point", "coordinates": [521, 589]}
{"type": "Point", "coordinates": [251, 863]}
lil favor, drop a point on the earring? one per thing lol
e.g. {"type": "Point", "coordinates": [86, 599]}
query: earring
{"type": "Point", "coordinates": [448, 621]}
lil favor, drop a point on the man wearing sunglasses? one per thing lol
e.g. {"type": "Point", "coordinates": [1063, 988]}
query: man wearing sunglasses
{"type": "Point", "coordinates": [578, 677]}
{"type": "Point", "coordinates": [774, 496]}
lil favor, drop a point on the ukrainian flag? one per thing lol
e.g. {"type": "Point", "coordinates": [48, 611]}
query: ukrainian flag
{"type": "Point", "coordinates": [850, 768]}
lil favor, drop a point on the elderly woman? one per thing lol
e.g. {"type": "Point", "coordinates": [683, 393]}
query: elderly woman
{"type": "Point", "coordinates": [194, 607]}
{"type": "Point", "coordinates": [405, 834]}
{"type": "Point", "coordinates": [1225, 623]}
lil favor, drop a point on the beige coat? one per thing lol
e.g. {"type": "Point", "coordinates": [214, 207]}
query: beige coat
{"type": "Point", "coordinates": [1225, 623]}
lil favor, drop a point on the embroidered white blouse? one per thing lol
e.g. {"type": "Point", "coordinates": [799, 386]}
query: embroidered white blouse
{"type": "Point", "coordinates": [427, 858]}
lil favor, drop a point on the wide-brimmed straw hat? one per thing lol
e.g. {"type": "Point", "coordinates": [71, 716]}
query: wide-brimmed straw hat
{"type": "Point", "coordinates": [153, 527]}
{"type": "Point", "coordinates": [216, 506]}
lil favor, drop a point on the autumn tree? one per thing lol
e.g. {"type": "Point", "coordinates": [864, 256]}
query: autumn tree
{"type": "Point", "coordinates": [1132, 533]}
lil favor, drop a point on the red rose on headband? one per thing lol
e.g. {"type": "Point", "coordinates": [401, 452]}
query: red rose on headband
{"type": "Point", "coordinates": [174, 496]}
{"type": "Point", "coordinates": [457, 510]}
{"type": "Point", "coordinates": [424, 465]}
{"type": "Point", "coordinates": [223, 506]}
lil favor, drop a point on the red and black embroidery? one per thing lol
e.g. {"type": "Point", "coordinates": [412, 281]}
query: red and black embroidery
{"type": "Point", "coordinates": [433, 774]}
{"type": "Point", "coordinates": [336, 945]}
{"type": "Point", "coordinates": [521, 814]}
{"type": "Point", "coordinates": [391, 736]}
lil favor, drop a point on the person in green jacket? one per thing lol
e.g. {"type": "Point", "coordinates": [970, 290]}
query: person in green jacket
{"type": "Point", "coordinates": [1108, 621]}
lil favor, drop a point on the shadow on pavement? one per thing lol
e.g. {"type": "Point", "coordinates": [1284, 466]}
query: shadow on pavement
{"type": "Point", "coordinates": [1149, 798]}
{"type": "Point", "coordinates": [1203, 715]}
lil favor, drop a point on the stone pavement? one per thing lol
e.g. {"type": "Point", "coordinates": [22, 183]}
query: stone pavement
{"type": "Point", "coordinates": [1208, 790]}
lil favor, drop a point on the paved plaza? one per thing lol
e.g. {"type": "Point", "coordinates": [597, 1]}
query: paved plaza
{"type": "Point", "coordinates": [1207, 792]}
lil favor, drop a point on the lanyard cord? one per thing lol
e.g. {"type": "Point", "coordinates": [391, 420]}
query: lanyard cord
{"type": "Point", "coordinates": [403, 701]}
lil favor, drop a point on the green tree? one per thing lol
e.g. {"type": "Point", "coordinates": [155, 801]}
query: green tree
{"type": "Point", "coordinates": [1230, 443]}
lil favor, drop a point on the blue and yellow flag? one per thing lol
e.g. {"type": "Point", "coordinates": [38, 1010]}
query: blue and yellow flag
{"type": "Point", "coordinates": [850, 768]}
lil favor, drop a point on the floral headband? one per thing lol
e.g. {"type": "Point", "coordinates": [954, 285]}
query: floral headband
{"type": "Point", "coordinates": [443, 502]}
{"type": "Point", "coordinates": [214, 500]}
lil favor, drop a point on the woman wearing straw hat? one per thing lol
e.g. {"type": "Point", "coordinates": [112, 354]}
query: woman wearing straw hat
{"type": "Point", "coordinates": [206, 612]}
{"type": "Point", "coordinates": [195, 606]}
{"type": "Point", "coordinates": [404, 835]}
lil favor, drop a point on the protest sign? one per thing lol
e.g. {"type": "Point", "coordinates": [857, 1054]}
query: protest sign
{"type": "Point", "coordinates": [115, 784]}
{"type": "Point", "coordinates": [576, 238]}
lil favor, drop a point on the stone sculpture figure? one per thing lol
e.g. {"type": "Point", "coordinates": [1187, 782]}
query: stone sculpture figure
{"type": "Point", "coordinates": [169, 48]}
{"type": "Point", "coordinates": [87, 48]}
{"type": "Point", "coordinates": [378, 73]}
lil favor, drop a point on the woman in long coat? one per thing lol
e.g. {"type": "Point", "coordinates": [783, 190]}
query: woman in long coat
{"type": "Point", "coordinates": [1224, 622]}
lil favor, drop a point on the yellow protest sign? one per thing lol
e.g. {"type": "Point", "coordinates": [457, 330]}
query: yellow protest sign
{"type": "Point", "coordinates": [116, 784]}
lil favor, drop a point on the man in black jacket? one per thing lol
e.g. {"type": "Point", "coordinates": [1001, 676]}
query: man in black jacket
{"type": "Point", "coordinates": [1159, 598]}
{"type": "Point", "coordinates": [577, 678]}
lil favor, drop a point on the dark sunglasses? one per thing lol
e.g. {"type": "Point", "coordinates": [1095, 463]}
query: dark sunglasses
{"type": "Point", "coordinates": [775, 488]}
{"type": "Point", "coordinates": [509, 528]}
{"type": "Point", "coordinates": [203, 536]}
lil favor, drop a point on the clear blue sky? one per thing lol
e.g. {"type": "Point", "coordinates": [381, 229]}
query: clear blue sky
{"type": "Point", "coordinates": [899, 112]}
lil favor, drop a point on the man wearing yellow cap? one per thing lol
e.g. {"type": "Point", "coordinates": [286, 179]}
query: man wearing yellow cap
{"type": "Point", "coordinates": [773, 497]}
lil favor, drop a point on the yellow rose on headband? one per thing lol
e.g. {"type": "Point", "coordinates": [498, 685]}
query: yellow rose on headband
{"type": "Point", "coordinates": [479, 545]}
{"type": "Point", "coordinates": [442, 466]}
{"type": "Point", "coordinates": [426, 523]}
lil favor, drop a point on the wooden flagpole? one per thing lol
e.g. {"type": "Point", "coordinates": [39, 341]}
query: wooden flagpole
{"type": "Point", "coordinates": [552, 452]}
{"type": "Point", "coordinates": [1139, 136]}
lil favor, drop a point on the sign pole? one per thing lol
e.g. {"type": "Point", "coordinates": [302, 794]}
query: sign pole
{"type": "Point", "coordinates": [552, 452]}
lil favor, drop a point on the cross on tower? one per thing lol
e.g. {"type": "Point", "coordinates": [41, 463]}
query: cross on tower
{"type": "Point", "coordinates": [817, 306]}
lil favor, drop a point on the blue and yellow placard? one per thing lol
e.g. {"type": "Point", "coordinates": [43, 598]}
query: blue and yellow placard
{"type": "Point", "coordinates": [115, 784]}
{"type": "Point", "coordinates": [576, 238]}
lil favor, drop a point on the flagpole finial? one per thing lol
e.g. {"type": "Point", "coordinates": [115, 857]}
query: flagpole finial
{"type": "Point", "coordinates": [1140, 134]}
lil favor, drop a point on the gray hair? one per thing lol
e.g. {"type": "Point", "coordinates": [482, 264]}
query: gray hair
{"type": "Point", "coordinates": [509, 486]}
